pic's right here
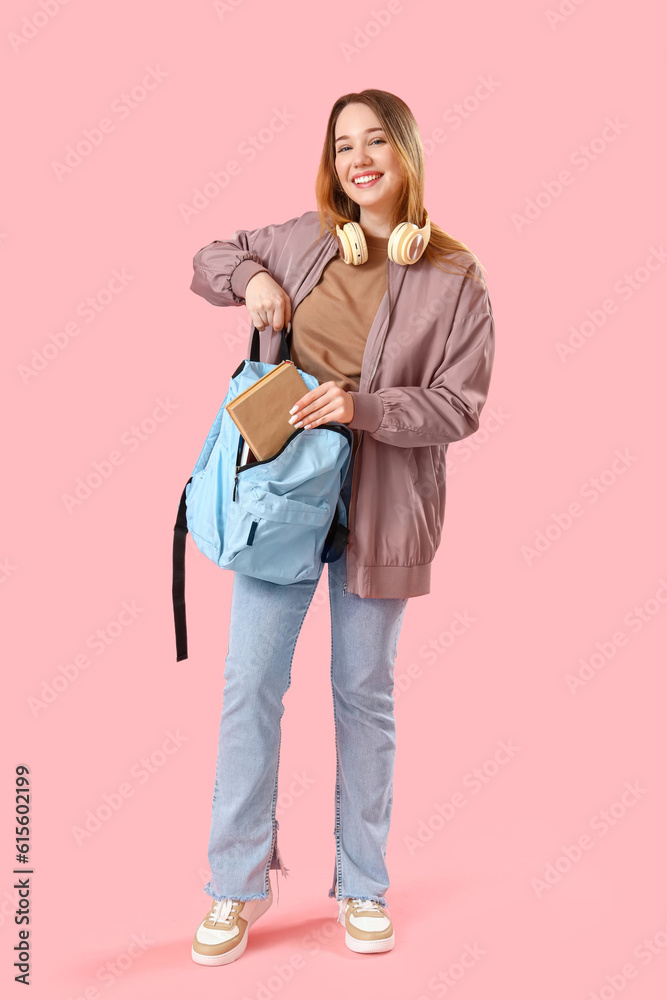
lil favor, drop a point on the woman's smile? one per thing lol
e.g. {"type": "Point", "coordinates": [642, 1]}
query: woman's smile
{"type": "Point", "coordinates": [366, 180]}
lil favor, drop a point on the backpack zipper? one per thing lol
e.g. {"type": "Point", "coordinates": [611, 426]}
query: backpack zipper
{"type": "Point", "coordinates": [236, 470]}
{"type": "Point", "coordinates": [340, 429]}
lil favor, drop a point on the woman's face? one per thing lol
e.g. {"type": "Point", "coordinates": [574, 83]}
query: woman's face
{"type": "Point", "coordinates": [362, 147]}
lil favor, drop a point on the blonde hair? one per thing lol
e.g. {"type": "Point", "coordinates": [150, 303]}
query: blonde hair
{"type": "Point", "coordinates": [335, 207]}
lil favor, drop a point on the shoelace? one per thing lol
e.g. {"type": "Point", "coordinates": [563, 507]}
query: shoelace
{"type": "Point", "coordinates": [221, 911]}
{"type": "Point", "coordinates": [360, 904]}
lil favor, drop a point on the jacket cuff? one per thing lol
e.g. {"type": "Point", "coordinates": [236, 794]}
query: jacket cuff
{"type": "Point", "coordinates": [368, 411]}
{"type": "Point", "coordinates": [242, 274]}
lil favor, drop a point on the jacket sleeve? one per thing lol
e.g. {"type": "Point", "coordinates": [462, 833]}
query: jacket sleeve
{"type": "Point", "coordinates": [449, 408]}
{"type": "Point", "coordinates": [223, 268]}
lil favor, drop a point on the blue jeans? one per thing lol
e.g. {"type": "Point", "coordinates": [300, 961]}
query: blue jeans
{"type": "Point", "coordinates": [266, 620]}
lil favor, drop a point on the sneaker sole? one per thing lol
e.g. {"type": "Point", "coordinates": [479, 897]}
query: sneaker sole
{"type": "Point", "coordinates": [231, 956]}
{"type": "Point", "coordinates": [369, 947]}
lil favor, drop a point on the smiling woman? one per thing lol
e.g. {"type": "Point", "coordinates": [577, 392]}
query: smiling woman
{"type": "Point", "coordinates": [365, 161]}
{"type": "Point", "coordinates": [392, 316]}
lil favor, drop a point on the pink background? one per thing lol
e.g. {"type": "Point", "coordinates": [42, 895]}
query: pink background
{"type": "Point", "coordinates": [552, 429]}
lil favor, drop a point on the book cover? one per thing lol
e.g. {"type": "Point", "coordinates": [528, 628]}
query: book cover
{"type": "Point", "coordinates": [261, 412]}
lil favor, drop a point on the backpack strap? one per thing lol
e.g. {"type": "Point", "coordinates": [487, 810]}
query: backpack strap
{"type": "Point", "coordinates": [178, 578]}
{"type": "Point", "coordinates": [336, 540]}
{"type": "Point", "coordinates": [339, 532]}
{"type": "Point", "coordinates": [284, 351]}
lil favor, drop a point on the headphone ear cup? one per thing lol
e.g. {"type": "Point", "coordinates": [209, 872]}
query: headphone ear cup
{"type": "Point", "coordinates": [358, 241]}
{"type": "Point", "coordinates": [406, 244]}
{"type": "Point", "coordinates": [394, 245]}
{"type": "Point", "coordinates": [352, 243]}
{"type": "Point", "coordinates": [343, 244]}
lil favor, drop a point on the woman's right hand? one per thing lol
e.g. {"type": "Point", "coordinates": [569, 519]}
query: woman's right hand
{"type": "Point", "coordinates": [267, 303]}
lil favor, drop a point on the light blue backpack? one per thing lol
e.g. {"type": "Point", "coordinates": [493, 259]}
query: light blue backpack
{"type": "Point", "coordinates": [278, 519]}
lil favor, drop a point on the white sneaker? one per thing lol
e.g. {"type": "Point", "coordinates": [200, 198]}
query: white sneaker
{"type": "Point", "coordinates": [222, 935]}
{"type": "Point", "coordinates": [367, 926]}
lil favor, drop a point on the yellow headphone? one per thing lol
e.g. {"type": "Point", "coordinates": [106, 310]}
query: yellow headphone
{"type": "Point", "coordinates": [406, 244]}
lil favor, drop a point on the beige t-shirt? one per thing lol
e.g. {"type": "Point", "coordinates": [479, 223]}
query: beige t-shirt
{"type": "Point", "coordinates": [331, 325]}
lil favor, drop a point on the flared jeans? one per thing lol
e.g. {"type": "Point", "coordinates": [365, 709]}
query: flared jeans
{"type": "Point", "coordinates": [265, 623]}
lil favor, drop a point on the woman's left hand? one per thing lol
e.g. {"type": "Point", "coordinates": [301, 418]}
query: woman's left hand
{"type": "Point", "coordinates": [323, 403]}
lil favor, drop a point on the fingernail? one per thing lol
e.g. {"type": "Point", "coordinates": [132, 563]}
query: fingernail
{"type": "Point", "coordinates": [294, 408]}
{"type": "Point", "coordinates": [291, 420]}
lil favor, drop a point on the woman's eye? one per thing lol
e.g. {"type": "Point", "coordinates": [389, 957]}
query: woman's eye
{"type": "Point", "coordinates": [343, 148]}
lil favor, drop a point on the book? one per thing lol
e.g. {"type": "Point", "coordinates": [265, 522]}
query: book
{"type": "Point", "coordinates": [261, 412]}
{"type": "Point", "coordinates": [246, 454]}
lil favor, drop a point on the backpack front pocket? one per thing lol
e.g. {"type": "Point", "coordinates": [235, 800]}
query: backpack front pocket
{"type": "Point", "coordinates": [291, 533]}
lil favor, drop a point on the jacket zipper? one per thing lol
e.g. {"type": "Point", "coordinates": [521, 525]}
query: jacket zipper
{"type": "Point", "coordinates": [308, 289]}
{"type": "Point", "coordinates": [377, 360]}
{"type": "Point", "coordinates": [368, 389]}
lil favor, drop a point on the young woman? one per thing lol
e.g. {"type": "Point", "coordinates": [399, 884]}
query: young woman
{"type": "Point", "coordinates": [393, 317]}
